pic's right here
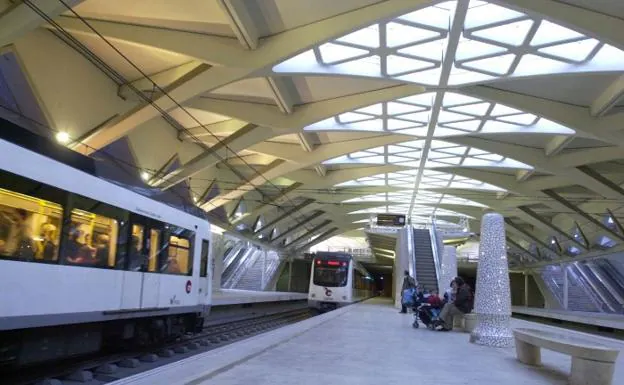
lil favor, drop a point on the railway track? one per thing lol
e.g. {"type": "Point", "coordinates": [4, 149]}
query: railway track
{"type": "Point", "coordinates": [107, 368]}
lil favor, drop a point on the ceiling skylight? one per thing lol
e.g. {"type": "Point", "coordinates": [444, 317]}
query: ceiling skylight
{"type": "Point", "coordinates": [495, 42]}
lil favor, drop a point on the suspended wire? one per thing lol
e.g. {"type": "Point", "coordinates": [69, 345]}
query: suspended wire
{"type": "Point", "coordinates": [121, 80]}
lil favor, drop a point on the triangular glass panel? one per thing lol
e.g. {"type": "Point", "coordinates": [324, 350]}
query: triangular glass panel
{"type": "Point", "coordinates": [550, 33]}
{"type": "Point", "coordinates": [433, 50]}
{"type": "Point", "coordinates": [397, 124]}
{"type": "Point", "coordinates": [499, 65]}
{"type": "Point", "coordinates": [447, 117]}
{"type": "Point", "coordinates": [352, 117]}
{"type": "Point", "coordinates": [394, 108]}
{"type": "Point", "coordinates": [470, 126]}
{"type": "Point", "coordinates": [400, 34]}
{"type": "Point", "coordinates": [377, 150]}
{"type": "Point", "coordinates": [472, 49]}
{"type": "Point", "coordinates": [578, 51]}
{"type": "Point", "coordinates": [438, 155]}
{"type": "Point", "coordinates": [420, 117]}
{"type": "Point", "coordinates": [333, 53]}
{"type": "Point", "coordinates": [509, 34]}
{"type": "Point", "coordinates": [522, 119]}
{"type": "Point", "coordinates": [359, 154]}
{"type": "Point", "coordinates": [431, 16]}
{"type": "Point", "coordinates": [398, 65]}
{"type": "Point", "coordinates": [491, 157]}
{"type": "Point", "coordinates": [425, 100]}
{"type": "Point", "coordinates": [489, 14]}
{"type": "Point", "coordinates": [475, 151]}
{"type": "Point", "coordinates": [532, 65]}
{"type": "Point", "coordinates": [395, 149]}
{"type": "Point", "coordinates": [421, 131]}
{"type": "Point", "coordinates": [501, 109]}
{"type": "Point", "coordinates": [366, 37]}
{"type": "Point", "coordinates": [367, 125]}
{"type": "Point", "coordinates": [460, 150]}
{"type": "Point", "coordinates": [451, 161]}
{"type": "Point", "coordinates": [478, 109]}
{"type": "Point", "coordinates": [397, 159]}
{"type": "Point", "coordinates": [453, 99]}
{"type": "Point", "coordinates": [375, 109]}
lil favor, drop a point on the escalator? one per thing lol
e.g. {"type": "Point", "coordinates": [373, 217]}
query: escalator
{"type": "Point", "coordinates": [232, 266]}
{"type": "Point", "coordinates": [424, 260]}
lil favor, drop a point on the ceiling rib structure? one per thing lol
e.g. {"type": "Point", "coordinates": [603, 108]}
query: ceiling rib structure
{"type": "Point", "coordinates": [296, 121]}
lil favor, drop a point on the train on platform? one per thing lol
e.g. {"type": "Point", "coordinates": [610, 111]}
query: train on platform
{"type": "Point", "coordinates": [337, 280]}
{"type": "Point", "coordinates": [85, 263]}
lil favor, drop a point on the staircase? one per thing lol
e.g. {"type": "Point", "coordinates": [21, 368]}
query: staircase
{"type": "Point", "coordinates": [425, 262]}
{"type": "Point", "coordinates": [252, 277]}
{"type": "Point", "coordinates": [578, 298]}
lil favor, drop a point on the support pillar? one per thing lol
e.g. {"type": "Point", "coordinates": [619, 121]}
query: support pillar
{"type": "Point", "coordinates": [263, 279]}
{"type": "Point", "coordinates": [493, 295]}
{"type": "Point", "coordinates": [565, 286]}
{"type": "Point", "coordinates": [526, 289]}
{"type": "Point", "coordinates": [290, 263]}
{"type": "Point", "coordinates": [448, 270]}
{"type": "Point", "coordinates": [401, 262]}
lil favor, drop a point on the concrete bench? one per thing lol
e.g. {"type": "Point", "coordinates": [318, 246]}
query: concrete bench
{"type": "Point", "coordinates": [592, 363]}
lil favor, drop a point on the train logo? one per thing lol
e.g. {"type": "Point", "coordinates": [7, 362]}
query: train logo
{"type": "Point", "coordinates": [188, 287]}
{"type": "Point", "coordinates": [328, 292]}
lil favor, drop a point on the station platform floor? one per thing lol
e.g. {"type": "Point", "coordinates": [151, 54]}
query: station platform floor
{"type": "Point", "coordinates": [367, 343]}
{"type": "Point", "coordinates": [225, 297]}
{"type": "Point", "coordinates": [614, 321]}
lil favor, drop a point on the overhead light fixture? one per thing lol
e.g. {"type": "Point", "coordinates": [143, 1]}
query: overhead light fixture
{"type": "Point", "coordinates": [144, 175]}
{"type": "Point", "coordinates": [62, 137]}
{"type": "Point", "coordinates": [238, 214]}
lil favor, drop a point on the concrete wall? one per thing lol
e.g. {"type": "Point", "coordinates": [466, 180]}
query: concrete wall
{"type": "Point", "coordinates": [536, 299]}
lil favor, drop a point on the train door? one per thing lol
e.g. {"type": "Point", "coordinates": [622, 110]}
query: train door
{"type": "Point", "coordinates": [204, 273]}
{"type": "Point", "coordinates": [147, 245]}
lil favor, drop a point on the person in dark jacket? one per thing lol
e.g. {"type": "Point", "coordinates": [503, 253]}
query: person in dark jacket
{"type": "Point", "coordinates": [460, 306]}
{"type": "Point", "coordinates": [408, 283]}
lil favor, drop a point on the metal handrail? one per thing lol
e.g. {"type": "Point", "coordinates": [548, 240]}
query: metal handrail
{"type": "Point", "coordinates": [435, 248]}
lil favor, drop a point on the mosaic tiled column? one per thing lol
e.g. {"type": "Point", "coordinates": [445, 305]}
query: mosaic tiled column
{"type": "Point", "coordinates": [493, 296]}
{"type": "Point", "coordinates": [448, 268]}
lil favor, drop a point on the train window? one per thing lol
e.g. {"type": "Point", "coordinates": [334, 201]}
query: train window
{"type": "Point", "coordinates": [29, 227]}
{"type": "Point", "coordinates": [91, 239]}
{"type": "Point", "coordinates": [136, 252]}
{"type": "Point", "coordinates": [178, 258]}
{"type": "Point", "coordinates": [330, 275]}
{"type": "Point", "coordinates": [203, 263]}
{"type": "Point", "coordinates": [154, 250]}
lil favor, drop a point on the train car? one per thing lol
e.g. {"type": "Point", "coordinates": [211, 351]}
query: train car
{"type": "Point", "coordinates": [85, 263]}
{"type": "Point", "coordinates": [337, 279]}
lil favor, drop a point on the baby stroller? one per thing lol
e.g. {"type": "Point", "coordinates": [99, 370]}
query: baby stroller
{"type": "Point", "coordinates": [427, 315]}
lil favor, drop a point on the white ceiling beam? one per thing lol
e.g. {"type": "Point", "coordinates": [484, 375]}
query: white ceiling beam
{"type": "Point", "coordinates": [609, 29]}
{"type": "Point", "coordinates": [280, 124]}
{"type": "Point", "coordinates": [318, 155]}
{"type": "Point", "coordinates": [282, 94]}
{"type": "Point", "coordinates": [220, 129]}
{"type": "Point", "coordinates": [557, 144]}
{"type": "Point", "coordinates": [574, 117]}
{"type": "Point", "coordinates": [20, 18]}
{"type": "Point", "coordinates": [241, 20]}
{"type": "Point", "coordinates": [522, 175]}
{"type": "Point", "coordinates": [561, 165]}
{"type": "Point", "coordinates": [454, 37]}
{"type": "Point", "coordinates": [236, 63]}
{"type": "Point", "coordinates": [608, 98]}
{"type": "Point", "coordinates": [309, 179]}
{"type": "Point", "coordinates": [162, 79]}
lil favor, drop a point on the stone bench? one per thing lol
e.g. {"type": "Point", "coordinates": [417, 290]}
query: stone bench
{"type": "Point", "coordinates": [465, 323]}
{"type": "Point", "coordinates": [592, 363]}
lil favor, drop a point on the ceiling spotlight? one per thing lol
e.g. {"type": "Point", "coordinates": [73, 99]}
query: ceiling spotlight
{"type": "Point", "coordinates": [238, 214]}
{"type": "Point", "coordinates": [195, 199]}
{"type": "Point", "coordinates": [62, 137]}
{"type": "Point", "coordinates": [144, 175]}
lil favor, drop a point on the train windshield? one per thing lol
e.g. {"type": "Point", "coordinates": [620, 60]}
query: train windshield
{"type": "Point", "coordinates": [330, 274]}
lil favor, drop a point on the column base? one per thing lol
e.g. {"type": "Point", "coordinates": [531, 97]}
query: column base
{"type": "Point", "coordinates": [492, 330]}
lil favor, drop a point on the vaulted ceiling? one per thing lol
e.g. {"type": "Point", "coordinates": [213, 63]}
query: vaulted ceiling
{"type": "Point", "coordinates": [297, 119]}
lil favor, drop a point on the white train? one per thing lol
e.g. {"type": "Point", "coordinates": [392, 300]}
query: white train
{"type": "Point", "coordinates": [84, 262]}
{"type": "Point", "coordinates": [337, 279]}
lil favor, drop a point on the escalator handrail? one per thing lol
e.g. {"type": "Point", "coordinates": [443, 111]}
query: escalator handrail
{"type": "Point", "coordinates": [596, 296]}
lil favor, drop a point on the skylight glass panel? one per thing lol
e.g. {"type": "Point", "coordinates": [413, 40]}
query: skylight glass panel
{"type": "Point", "coordinates": [334, 53]}
{"type": "Point", "coordinates": [431, 16]}
{"type": "Point", "coordinates": [501, 109]}
{"type": "Point", "coordinates": [375, 109]}
{"type": "Point", "coordinates": [489, 14]}
{"type": "Point", "coordinates": [397, 124]}
{"type": "Point", "coordinates": [523, 119]}
{"type": "Point", "coordinates": [510, 34]}
{"type": "Point", "coordinates": [472, 49]}
{"type": "Point", "coordinates": [399, 64]}
{"type": "Point", "coordinates": [395, 108]}
{"type": "Point", "coordinates": [499, 65]}
{"type": "Point", "coordinates": [478, 109]}
{"type": "Point", "coordinates": [367, 37]}
{"type": "Point", "coordinates": [550, 33]}
{"type": "Point", "coordinates": [579, 51]}
{"type": "Point", "coordinates": [432, 50]}
{"type": "Point", "coordinates": [400, 34]}
{"type": "Point", "coordinates": [352, 117]}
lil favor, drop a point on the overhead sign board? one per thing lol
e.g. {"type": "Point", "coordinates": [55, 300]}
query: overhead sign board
{"type": "Point", "coordinates": [390, 220]}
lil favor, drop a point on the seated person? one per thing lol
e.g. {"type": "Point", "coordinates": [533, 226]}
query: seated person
{"type": "Point", "coordinates": [460, 306]}
{"type": "Point", "coordinates": [435, 302]}
{"type": "Point", "coordinates": [173, 267]}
